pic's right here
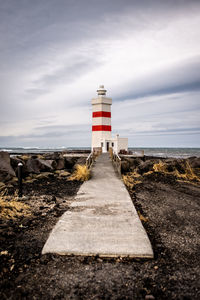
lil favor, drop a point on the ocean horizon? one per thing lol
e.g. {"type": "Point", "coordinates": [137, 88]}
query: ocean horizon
{"type": "Point", "coordinates": [176, 152]}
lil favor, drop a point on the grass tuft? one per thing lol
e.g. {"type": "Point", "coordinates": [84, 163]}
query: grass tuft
{"type": "Point", "coordinates": [142, 218]}
{"type": "Point", "coordinates": [11, 207]}
{"type": "Point", "coordinates": [131, 179]}
{"type": "Point", "coordinates": [160, 167]}
{"type": "Point", "coordinates": [81, 173]}
{"type": "Point", "coordinates": [24, 157]}
{"type": "Point", "coordinates": [188, 174]}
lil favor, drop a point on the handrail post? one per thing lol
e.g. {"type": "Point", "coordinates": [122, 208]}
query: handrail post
{"type": "Point", "coordinates": [20, 165]}
{"type": "Point", "coordinates": [90, 159]}
{"type": "Point", "coordinates": [117, 162]}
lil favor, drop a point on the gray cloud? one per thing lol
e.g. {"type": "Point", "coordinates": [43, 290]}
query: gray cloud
{"type": "Point", "coordinates": [69, 72]}
{"type": "Point", "coordinates": [182, 131]}
{"type": "Point", "coordinates": [62, 135]}
{"type": "Point", "coordinates": [181, 77]}
{"type": "Point", "coordinates": [56, 52]}
{"type": "Point", "coordinates": [63, 129]}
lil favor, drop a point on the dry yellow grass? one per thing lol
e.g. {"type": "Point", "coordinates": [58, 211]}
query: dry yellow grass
{"type": "Point", "coordinates": [142, 218]}
{"type": "Point", "coordinates": [131, 179]}
{"type": "Point", "coordinates": [160, 167]}
{"type": "Point", "coordinates": [148, 173]}
{"type": "Point", "coordinates": [2, 186]}
{"type": "Point", "coordinates": [135, 174]}
{"type": "Point", "coordinates": [189, 174]}
{"type": "Point", "coordinates": [11, 208]}
{"type": "Point", "coordinates": [25, 157]}
{"type": "Point", "coordinates": [82, 173]}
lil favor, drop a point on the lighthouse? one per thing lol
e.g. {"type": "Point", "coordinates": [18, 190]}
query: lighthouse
{"type": "Point", "coordinates": [101, 125]}
{"type": "Point", "coordinates": [101, 121]}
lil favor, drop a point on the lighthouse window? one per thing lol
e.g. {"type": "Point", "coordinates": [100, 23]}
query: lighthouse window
{"type": "Point", "coordinates": [101, 144]}
{"type": "Point", "coordinates": [112, 144]}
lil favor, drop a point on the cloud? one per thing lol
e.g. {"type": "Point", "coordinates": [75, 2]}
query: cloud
{"type": "Point", "coordinates": [61, 135]}
{"type": "Point", "coordinates": [54, 54]}
{"type": "Point", "coordinates": [164, 118]}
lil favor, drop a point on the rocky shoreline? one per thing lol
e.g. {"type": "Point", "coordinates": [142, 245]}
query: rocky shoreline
{"type": "Point", "coordinates": [166, 194]}
{"type": "Point", "coordinates": [36, 167]}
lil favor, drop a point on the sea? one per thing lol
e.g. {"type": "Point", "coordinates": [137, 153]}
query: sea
{"type": "Point", "coordinates": [157, 152]}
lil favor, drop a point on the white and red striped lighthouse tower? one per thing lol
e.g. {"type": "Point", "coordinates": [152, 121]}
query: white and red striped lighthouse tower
{"type": "Point", "coordinates": [101, 121]}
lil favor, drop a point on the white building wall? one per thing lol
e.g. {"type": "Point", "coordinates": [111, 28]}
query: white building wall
{"type": "Point", "coordinates": [99, 137]}
{"type": "Point", "coordinates": [96, 139]}
{"type": "Point", "coordinates": [101, 107]}
{"type": "Point", "coordinates": [120, 144]}
{"type": "Point", "coordinates": [101, 100]}
{"type": "Point", "coordinates": [101, 121]}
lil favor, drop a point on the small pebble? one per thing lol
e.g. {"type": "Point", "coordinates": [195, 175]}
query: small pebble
{"type": "Point", "coordinates": [149, 297]}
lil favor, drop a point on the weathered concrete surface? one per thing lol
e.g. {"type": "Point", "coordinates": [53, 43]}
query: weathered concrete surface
{"type": "Point", "coordinates": [102, 220]}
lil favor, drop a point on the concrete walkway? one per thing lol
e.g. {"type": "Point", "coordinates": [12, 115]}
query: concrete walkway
{"type": "Point", "coordinates": [102, 220]}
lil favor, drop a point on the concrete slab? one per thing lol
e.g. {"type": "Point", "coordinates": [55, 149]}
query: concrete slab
{"type": "Point", "coordinates": [102, 220]}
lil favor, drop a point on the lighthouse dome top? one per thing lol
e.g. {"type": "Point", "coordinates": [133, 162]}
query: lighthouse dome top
{"type": "Point", "coordinates": [101, 91]}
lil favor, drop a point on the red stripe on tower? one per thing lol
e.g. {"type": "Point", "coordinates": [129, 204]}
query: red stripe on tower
{"type": "Point", "coordinates": [105, 114]}
{"type": "Point", "coordinates": [101, 128]}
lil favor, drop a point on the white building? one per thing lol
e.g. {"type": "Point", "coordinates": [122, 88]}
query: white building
{"type": "Point", "coordinates": [101, 125]}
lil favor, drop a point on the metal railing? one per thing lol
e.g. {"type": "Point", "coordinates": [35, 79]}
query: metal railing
{"type": "Point", "coordinates": [116, 161]}
{"type": "Point", "coordinates": [90, 159]}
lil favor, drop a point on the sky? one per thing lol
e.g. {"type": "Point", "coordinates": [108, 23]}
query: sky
{"type": "Point", "coordinates": [54, 54]}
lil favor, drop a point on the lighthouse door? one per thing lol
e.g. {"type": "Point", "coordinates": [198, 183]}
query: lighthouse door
{"type": "Point", "coordinates": [107, 146]}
